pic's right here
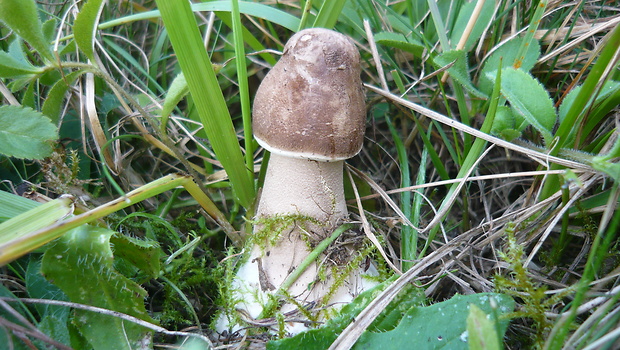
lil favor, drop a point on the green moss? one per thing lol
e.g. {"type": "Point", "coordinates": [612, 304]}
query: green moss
{"type": "Point", "coordinates": [531, 295]}
{"type": "Point", "coordinates": [272, 227]}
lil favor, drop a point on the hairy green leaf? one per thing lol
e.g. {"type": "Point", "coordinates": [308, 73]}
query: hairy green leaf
{"type": "Point", "coordinates": [506, 54]}
{"type": "Point", "coordinates": [53, 102]}
{"type": "Point", "coordinates": [530, 99]}
{"type": "Point", "coordinates": [177, 91]}
{"type": "Point", "coordinates": [80, 263]}
{"type": "Point", "coordinates": [143, 254]}
{"type": "Point", "coordinates": [23, 18]}
{"type": "Point", "coordinates": [85, 26]}
{"type": "Point", "coordinates": [25, 133]}
{"type": "Point", "coordinates": [10, 67]}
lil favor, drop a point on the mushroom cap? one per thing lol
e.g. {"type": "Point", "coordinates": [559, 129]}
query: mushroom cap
{"type": "Point", "coordinates": [311, 104]}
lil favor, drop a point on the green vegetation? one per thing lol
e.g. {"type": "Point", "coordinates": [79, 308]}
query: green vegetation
{"type": "Point", "coordinates": [489, 176]}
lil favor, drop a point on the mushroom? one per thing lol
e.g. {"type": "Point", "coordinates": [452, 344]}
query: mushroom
{"type": "Point", "coordinates": [309, 112]}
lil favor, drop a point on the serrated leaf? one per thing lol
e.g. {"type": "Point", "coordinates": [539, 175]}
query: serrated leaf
{"type": "Point", "coordinates": [80, 263]}
{"type": "Point", "coordinates": [530, 99]}
{"type": "Point", "coordinates": [25, 133]}
{"type": "Point", "coordinates": [143, 254]}
{"type": "Point", "coordinates": [506, 53]}
{"type": "Point", "coordinates": [85, 26]}
{"type": "Point", "coordinates": [439, 326]}
{"type": "Point", "coordinates": [481, 330]}
{"type": "Point", "coordinates": [400, 41]}
{"type": "Point", "coordinates": [459, 70]}
{"type": "Point", "coordinates": [23, 18]}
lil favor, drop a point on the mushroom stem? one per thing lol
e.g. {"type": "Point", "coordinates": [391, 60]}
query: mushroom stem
{"type": "Point", "coordinates": [301, 186]}
{"type": "Point", "coordinates": [314, 190]}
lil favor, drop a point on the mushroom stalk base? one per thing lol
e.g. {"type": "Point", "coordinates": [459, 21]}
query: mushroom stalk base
{"type": "Point", "coordinates": [298, 188]}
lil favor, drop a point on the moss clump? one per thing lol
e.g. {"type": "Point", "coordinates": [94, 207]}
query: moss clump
{"type": "Point", "coordinates": [531, 295]}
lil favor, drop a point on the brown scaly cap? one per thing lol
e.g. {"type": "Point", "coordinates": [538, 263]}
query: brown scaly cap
{"type": "Point", "coordinates": [311, 104]}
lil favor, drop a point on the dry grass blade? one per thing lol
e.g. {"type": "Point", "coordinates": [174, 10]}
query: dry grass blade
{"type": "Point", "coordinates": [540, 157]}
{"type": "Point", "coordinates": [445, 208]}
{"type": "Point", "coordinates": [99, 135]}
{"type": "Point", "coordinates": [469, 179]}
{"type": "Point", "coordinates": [587, 185]}
{"type": "Point", "coordinates": [367, 229]}
{"type": "Point", "coordinates": [112, 313]}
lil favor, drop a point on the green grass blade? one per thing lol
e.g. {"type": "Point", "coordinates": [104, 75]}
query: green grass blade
{"type": "Point", "coordinates": [408, 244]}
{"type": "Point", "coordinates": [329, 13]}
{"type": "Point", "coordinates": [579, 107]}
{"type": "Point", "coordinates": [244, 90]}
{"type": "Point", "coordinates": [470, 160]}
{"type": "Point", "coordinates": [588, 90]}
{"type": "Point", "coordinates": [529, 35]}
{"type": "Point", "coordinates": [440, 27]}
{"type": "Point", "coordinates": [207, 95]}
{"type": "Point", "coordinates": [12, 231]}
{"type": "Point", "coordinates": [262, 11]}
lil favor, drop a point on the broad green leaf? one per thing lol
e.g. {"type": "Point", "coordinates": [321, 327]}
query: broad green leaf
{"type": "Point", "coordinates": [85, 26]}
{"type": "Point", "coordinates": [481, 330]}
{"type": "Point", "coordinates": [25, 133]}
{"type": "Point", "coordinates": [81, 263]}
{"type": "Point", "coordinates": [465, 13]}
{"type": "Point", "coordinates": [321, 338]}
{"type": "Point", "coordinates": [507, 125]}
{"type": "Point", "coordinates": [530, 99]}
{"type": "Point", "coordinates": [23, 18]}
{"type": "Point", "coordinates": [400, 41]}
{"type": "Point", "coordinates": [207, 95]}
{"type": "Point", "coordinates": [506, 54]}
{"type": "Point", "coordinates": [459, 71]}
{"type": "Point", "coordinates": [439, 326]}
{"type": "Point", "coordinates": [54, 318]}
{"type": "Point", "coordinates": [329, 13]}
